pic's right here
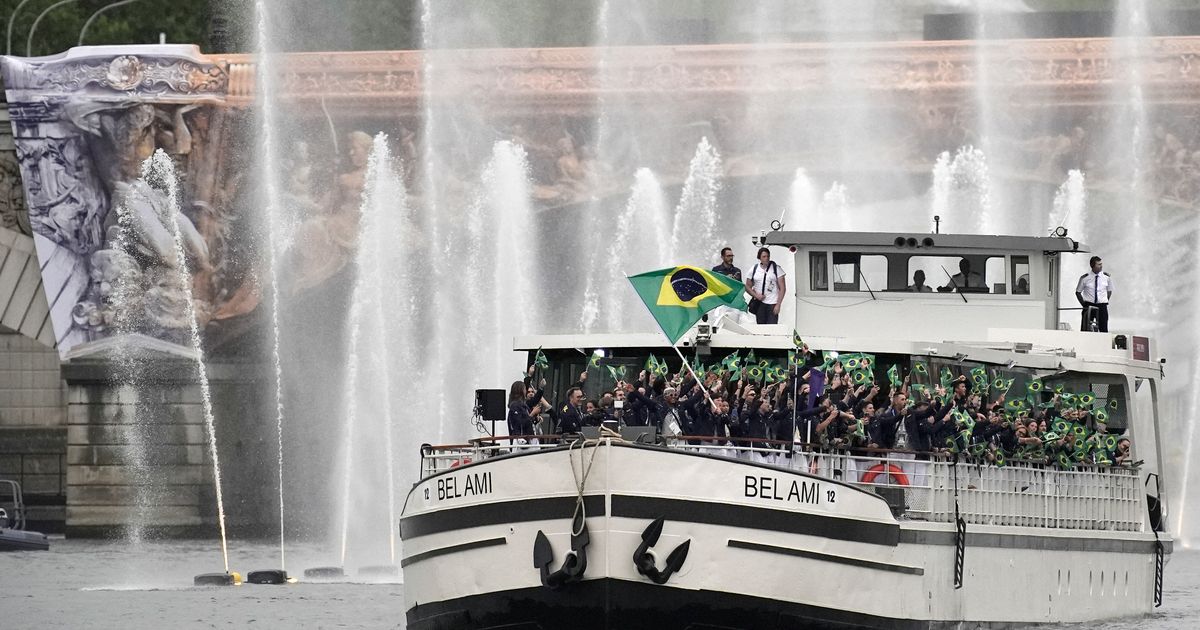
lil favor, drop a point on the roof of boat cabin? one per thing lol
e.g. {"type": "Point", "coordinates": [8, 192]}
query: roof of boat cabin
{"type": "Point", "coordinates": [955, 242]}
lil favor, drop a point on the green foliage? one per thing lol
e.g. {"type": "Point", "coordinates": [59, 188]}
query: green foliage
{"type": "Point", "coordinates": [181, 21]}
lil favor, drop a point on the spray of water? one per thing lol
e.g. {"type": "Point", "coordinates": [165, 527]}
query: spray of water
{"type": "Point", "coordinates": [159, 171]}
{"type": "Point", "coordinates": [986, 99]}
{"type": "Point", "coordinates": [430, 189]}
{"type": "Point", "coordinates": [127, 288]}
{"type": "Point", "coordinates": [634, 248]}
{"type": "Point", "coordinates": [969, 172]}
{"type": "Point", "coordinates": [835, 204]}
{"type": "Point", "coordinates": [1070, 206]}
{"type": "Point", "coordinates": [506, 186]}
{"type": "Point", "coordinates": [696, 216]}
{"type": "Point", "coordinates": [378, 348]}
{"type": "Point", "coordinates": [961, 191]}
{"type": "Point", "coordinates": [1132, 28]}
{"type": "Point", "coordinates": [801, 211]}
{"type": "Point", "coordinates": [595, 287]}
{"type": "Point", "coordinates": [940, 190]}
{"type": "Point", "coordinates": [276, 227]}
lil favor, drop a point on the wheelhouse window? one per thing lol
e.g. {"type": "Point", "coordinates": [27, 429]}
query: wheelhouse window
{"type": "Point", "coordinates": [1020, 275]}
{"type": "Point", "coordinates": [853, 271]}
{"type": "Point", "coordinates": [902, 271]}
{"type": "Point", "coordinates": [958, 274]}
{"type": "Point", "coordinates": [818, 271]}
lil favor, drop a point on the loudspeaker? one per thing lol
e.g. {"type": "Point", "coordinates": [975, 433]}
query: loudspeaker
{"type": "Point", "coordinates": [490, 404]}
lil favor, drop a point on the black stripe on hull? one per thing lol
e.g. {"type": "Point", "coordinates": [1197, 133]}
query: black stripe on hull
{"type": "Point", "coordinates": [609, 604]}
{"type": "Point", "coordinates": [433, 553]}
{"type": "Point", "coordinates": [518, 511]}
{"type": "Point", "coordinates": [749, 517]}
{"type": "Point", "coordinates": [824, 557]}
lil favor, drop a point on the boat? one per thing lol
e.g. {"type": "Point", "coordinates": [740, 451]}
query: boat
{"type": "Point", "coordinates": [13, 535]}
{"type": "Point", "coordinates": [634, 529]}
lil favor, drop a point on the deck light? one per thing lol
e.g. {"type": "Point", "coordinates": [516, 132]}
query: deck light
{"type": "Point", "coordinates": [960, 357]}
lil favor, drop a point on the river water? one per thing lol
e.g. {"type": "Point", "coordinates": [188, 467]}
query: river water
{"type": "Point", "coordinates": [105, 585]}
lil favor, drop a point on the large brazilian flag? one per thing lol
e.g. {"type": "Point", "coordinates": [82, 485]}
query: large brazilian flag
{"type": "Point", "coordinates": [679, 296]}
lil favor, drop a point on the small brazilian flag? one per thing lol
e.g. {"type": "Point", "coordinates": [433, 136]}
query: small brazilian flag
{"type": "Point", "coordinates": [679, 296]}
{"type": "Point", "coordinates": [893, 375]}
{"type": "Point", "coordinates": [617, 373]}
{"type": "Point", "coordinates": [946, 377]}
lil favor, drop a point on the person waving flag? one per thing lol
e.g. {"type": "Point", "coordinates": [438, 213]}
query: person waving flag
{"type": "Point", "coordinates": [679, 296]}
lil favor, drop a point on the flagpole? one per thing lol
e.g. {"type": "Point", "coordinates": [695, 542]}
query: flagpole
{"type": "Point", "coordinates": [698, 381]}
{"type": "Point", "coordinates": [795, 390]}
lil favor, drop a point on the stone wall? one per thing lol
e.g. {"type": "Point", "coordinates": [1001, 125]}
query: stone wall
{"type": "Point", "coordinates": [135, 455]}
{"type": "Point", "coordinates": [33, 428]}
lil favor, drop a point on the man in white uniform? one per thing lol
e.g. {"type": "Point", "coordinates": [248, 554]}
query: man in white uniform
{"type": "Point", "coordinates": [1094, 292]}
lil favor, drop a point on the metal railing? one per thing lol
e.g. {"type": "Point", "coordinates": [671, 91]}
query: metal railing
{"type": "Point", "coordinates": [919, 486]}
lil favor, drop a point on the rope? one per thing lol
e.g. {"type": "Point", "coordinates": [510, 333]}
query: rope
{"type": "Point", "coordinates": [584, 470]}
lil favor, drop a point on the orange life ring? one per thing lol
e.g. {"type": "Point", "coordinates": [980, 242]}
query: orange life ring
{"type": "Point", "coordinates": [881, 469]}
{"type": "Point", "coordinates": [460, 462]}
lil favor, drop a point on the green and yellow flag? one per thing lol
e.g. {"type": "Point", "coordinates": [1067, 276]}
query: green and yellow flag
{"type": "Point", "coordinates": [679, 296]}
{"type": "Point", "coordinates": [893, 375]}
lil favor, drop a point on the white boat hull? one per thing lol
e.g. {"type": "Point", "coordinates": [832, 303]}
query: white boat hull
{"type": "Point", "coordinates": [769, 548]}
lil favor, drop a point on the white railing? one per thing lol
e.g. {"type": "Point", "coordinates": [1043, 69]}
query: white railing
{"type": "Point", "coordinates": [1025, 494]}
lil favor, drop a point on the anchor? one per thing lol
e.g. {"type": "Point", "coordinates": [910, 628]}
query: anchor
{"type": "Point", "coordinates": [573, 565]}
{"type": "Point", "coordinates": [644, 560]}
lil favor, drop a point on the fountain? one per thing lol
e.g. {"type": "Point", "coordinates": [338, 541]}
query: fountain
{"type": "Point", "coordinates": [272, 195]}
{"type": "Point", "coordinates": [375, 363]}
{"type": "Point", "coordinates": [696, 216]}
{"type": "Point", "coordinates": [159, 172]}
{"type": "Point", "coordinates": [523, 213]}
{"type": "Point", "coordinates": [636, 244]}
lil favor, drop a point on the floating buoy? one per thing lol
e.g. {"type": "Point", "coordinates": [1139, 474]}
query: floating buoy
{"type": "Point", "coordinates": [324, 573]}
{"type": "Point", "coordinates": [218, 579]}
{"type": "Point", "coordinates": [269, 576]}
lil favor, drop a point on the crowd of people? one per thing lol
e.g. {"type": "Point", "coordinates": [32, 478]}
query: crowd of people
{"type": "Point", "coordinates": [732, 405]}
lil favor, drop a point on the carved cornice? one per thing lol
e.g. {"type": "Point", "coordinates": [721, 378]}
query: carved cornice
{"type": "Point", "coordinates": [149, 73]}
{"type": "Point", "coordinates": [510, 81]}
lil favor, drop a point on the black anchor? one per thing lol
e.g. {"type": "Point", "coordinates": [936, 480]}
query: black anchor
{"type": "Point", "coordinates": [644, 561]}
{"type": "Point", "coordinates": [575, 563]}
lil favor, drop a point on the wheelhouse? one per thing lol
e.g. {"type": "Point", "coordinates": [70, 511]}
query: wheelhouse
{"type": "Point", "coordinates": [940, 286]}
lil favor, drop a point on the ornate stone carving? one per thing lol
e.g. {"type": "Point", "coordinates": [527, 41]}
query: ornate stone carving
{"type": "Point", "coordinates": [160, 72]}
{"type": "Point", "coordinates": [567, 78]}
{"type": "Point", "coordinates": [67, 204]}
{"type": "Point", "coordinates": [14, 214]}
